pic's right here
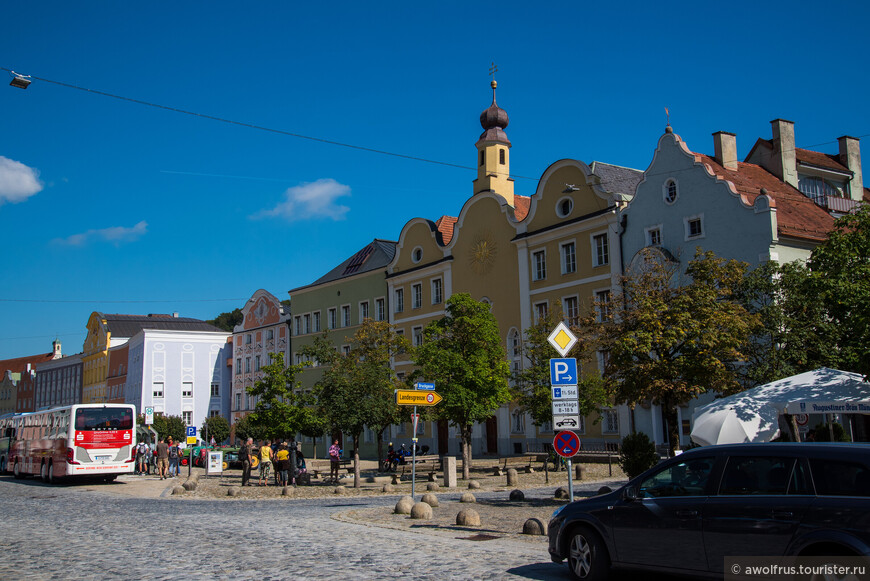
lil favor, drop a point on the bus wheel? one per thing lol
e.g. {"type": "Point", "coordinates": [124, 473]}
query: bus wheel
{"type": "Point", "coordinates": [3, 465]}
{"type": "Point", "coordinates": [43, 472]}
{"type": "Point", "coordinates": [17, 470]}
{"type": "Point", "coordinates": [110, 477]}
{"type": "Point", "coordinates": [50, 473]}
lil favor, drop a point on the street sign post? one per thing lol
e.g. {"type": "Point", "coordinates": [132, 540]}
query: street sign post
{"type": "Point", "coordinates": [423, 395]}
{"type": "Point", "coordinates": [565, 392]}
{"type": "Point", "coordinates": [424, 385]}
{"type": "Point", "coordinates": [565, 407]}
{"type": "Point", "coordinates": [562, 339]}
{"type": "Point", "coordinates": [191, 435]}
{"type": "Point", "coordinates": [567, 444]}
{"type": "Point", "coordinates": [149, 416]}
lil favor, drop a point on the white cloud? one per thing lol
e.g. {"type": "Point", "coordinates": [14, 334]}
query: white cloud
{"type": "Point", "coordinates": [115, 234]}
{"type": "Point", "coordinates": [312, 200]}
{"type": "Point", "coordinates": [17, 181]}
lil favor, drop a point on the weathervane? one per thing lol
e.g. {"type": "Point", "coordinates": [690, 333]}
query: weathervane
{"type": "Point", "coordinates": [668, 115]}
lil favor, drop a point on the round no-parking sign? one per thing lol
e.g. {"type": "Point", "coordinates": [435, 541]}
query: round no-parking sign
{"type": "Point", "coordinates": [566, 443]}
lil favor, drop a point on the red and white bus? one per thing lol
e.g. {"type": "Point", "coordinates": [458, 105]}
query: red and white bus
{"type": "Point", "coordinates": [95, 440]}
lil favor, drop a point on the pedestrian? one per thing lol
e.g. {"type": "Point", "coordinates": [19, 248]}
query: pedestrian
{"type": "Point", "coordinates": [162, 458]}
{"type": "Point", "coordinates": [265, 463]}
{"type": "Point", "coordinates": [282, 464]}
{"type": "Point", "coordinates": [173, 459]}
{"type": "Point", "coordinates": [291, 460]}
{"type": "Point", "coordinates": [245, 455]}
{"type": "Point", "coordinates": [141, 452]}
{"type": "Point", "coordinates": [334, 460]}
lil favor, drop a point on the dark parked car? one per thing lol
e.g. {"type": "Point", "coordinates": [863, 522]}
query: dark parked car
{"type": "Point", "coordinates": [687, 514]}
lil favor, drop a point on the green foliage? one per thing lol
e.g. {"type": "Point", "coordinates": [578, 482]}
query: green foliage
{"type": "Point", "coordinates": [246, 429]}
{"type": "Point", "coordinates": [167, 426]}
{"type": "Point", "coordinates": [637, 454]}
{"type": "Point", "coordinates": [822, 433]}
{"type": "Point", "coordinates": [463, 354]}
{"type": "Point", "coordinates": [840, 270]}
{"type": "Point", "coordinates": [282, 409]}
{"type": "Point", "coordinates": [670, 342]}
{"type": "Point", "coordinates": [531, 387]}
{"type": "Point", "coordinates": [216, 427]}
{"type": "Point", "coordinates": [227, 321]}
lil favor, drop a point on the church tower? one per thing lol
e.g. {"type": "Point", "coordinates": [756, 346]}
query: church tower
{"type": "Point", "coordinates": [493, 153]}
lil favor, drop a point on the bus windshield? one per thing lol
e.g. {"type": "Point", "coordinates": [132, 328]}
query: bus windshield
{"type": "Point", "coordinates": [97, 419]}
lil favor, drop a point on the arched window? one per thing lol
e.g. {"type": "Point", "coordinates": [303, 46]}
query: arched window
{"type": "Point", "coordinates": [501, 156]}
{"type": "Point", "coordinates": [481, 157]}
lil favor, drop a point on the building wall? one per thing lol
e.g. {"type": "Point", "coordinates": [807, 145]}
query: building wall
{"type": "Point", "coordinates": [175, 364]}
{"type": "Point", "coordinates": [9, 392]}
{"type": "Point", "coordinates": [59, 382]}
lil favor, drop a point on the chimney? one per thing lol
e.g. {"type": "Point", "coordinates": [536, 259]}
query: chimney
{"type": "Point", "coordinates": [850, 156]}
{"type": "Point", "coordinates": [784, 162]}
{"type": "Point", "coordinates": [725, 149]}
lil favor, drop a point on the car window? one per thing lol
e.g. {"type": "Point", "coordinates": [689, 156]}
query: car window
{"type": "Point", "coordinates": [757, 475]}
{"type": "Point", "coordinates": [840, 478]}
{"type": "Point", "coordinates": [681, 479]}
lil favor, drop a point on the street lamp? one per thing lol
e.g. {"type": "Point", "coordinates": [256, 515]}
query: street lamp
{"type": "Point", "coordinates": [20, 81]}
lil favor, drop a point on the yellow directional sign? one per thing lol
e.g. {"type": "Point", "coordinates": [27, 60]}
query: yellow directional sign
{"type": "Point", "coordinates": [417, 397]}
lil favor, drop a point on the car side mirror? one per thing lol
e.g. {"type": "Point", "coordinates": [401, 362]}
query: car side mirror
{"type": "Point", "coordinates": [629, 493]}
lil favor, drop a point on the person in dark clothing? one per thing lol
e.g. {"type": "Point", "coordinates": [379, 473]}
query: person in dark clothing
{"type": "Point", "coordinates": [245, 455]}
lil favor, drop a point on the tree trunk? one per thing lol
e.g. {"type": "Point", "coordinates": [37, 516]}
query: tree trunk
{"type": "Point", "coordinates": [673, 430]}
{"type": "Point", "coordinates": [466, 452]}
{"type": "Point", "coordinates": [356, 479]}
{"type": "Point", "coordinates": [380, 447]}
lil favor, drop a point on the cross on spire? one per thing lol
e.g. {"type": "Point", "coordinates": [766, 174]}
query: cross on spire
{"type": "Point", "coordinates": [493, 69]}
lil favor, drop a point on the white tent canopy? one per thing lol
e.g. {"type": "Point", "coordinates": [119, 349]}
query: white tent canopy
{"type": "Point", "coordinates": [815, 392]}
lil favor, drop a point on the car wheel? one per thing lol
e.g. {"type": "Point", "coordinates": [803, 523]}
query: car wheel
{"type": "Point", "coordinates": [587, 556]}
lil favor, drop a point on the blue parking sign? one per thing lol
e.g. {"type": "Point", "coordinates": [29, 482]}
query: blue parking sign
{"type": "Point", "coordinates": [563, 371]}
{"type": "Point", "coordinates": [191, 431]}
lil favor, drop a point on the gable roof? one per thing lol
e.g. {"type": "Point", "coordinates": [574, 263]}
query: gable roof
{"type": "Point", "coordinates": [128, 325]}
{"type": "Point", "coordinates": [19, 364]}
{"type": "Point", "coordinates": [817, 159]}
{"type": "Point", "coordinates": [376, 254]}
{"type": "Point", "coordinates": [617, 179]}
{"type": "Point", "coordinates": [797, 216]}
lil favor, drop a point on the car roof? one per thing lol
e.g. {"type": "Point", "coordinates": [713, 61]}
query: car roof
{"type": "Point", "coordinates": [815, 449]}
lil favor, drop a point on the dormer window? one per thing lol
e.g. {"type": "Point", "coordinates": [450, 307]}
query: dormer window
{"type": "Point", "coordinates": [670, 191]}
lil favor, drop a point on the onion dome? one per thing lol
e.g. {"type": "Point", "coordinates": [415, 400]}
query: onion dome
{"type": "Point", "coordinates": [493, 120]}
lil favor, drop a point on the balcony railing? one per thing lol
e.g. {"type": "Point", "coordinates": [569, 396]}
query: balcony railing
{"type": "Point", "coordinates": [836, 203]}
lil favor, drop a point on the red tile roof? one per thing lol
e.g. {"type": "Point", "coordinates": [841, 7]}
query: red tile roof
{"type": "Point", "coordinates": [521, 207]}
{"type": "Point", "coordinates": [817, 159]}
{"type": "Point", "coordinates": [445, 226]}
{"type": "Point", "coordinates": [797, 216]}
{"type": "Point", "coordinates": [19, 364]}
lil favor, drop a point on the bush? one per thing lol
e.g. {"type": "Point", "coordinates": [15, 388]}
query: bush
{"type": "Point", "coordinates": [821, 433]}
{"type": "Point", "coordinates": [637, 454]}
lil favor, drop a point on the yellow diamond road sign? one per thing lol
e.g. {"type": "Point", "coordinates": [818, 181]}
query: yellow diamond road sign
{"type": "Point", "coordinates": [562, 339]}
{"type": "Point", "coordinates": [416, 397]}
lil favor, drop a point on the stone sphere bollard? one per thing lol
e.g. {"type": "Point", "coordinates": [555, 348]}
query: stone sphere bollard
{"type": "Point", "coordinates": [468, 517]}
{"type": "Point", "coordinates": [430, 499]}
{"type": "Point", "coordinates": [404, 505]}
{"type": "Point", "coordinates": [604, 490]}
{"type": "Point", "coordinates": [189, 485]}
{"type": "Point", "coordinates": [421, 511]}
{"type": "Point", "coordinates": [512, 477]}
{"type": "Point", "coordinates": [339, 490]}
{"type": "Point", "coordinates": [473, 485]}
{"type": "Point", "coordinates": [177, 490]}
{"type": "Point", "coordinates": [432, 486]}
{"type": "Point", "coordinates": [517, 496]}
{"type": "Point", "coordinates": [535, 526]}
{"type": "Point", "coordinates": [288, 491]}
{"type": "Point", "coordinates": [234, 491]}
{"type": "Point", "coordinates": [467, 497]}
{"type": "Point", "coordinates": [561, 493]}
{"type": "Point", "coordinates": [388, 488]}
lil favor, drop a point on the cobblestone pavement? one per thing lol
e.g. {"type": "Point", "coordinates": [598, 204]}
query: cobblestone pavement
{"type": "Point", "coordinates": [92, 532]}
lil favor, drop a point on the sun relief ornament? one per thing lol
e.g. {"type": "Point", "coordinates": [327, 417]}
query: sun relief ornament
{"type": "Point", "coordinates": [482, 254]}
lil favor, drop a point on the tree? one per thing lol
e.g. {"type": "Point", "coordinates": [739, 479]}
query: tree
{"type": "Point", "coordinates": [216, 427]}
{"type": "Point", "coordinates": [670, 342]}
{"type": "Point", "coordinates": [840, 270]}
{"type": "Point", "coordinates": [227, 321]}
{"type": "Point", "coordinates": [246, 429]}
{"type": "Point", "coordinates": [357, 389]}
{"type": "Point", "coordinates": [282, 409]}
{"type": "Point", "coordinates": [532, 389]}
{"type": "Point", "coordinates": [463, 354]}
{"type": "Point", "coordinates": [167, 426]}
{"type": "Point", "coordinates": [794, 334]}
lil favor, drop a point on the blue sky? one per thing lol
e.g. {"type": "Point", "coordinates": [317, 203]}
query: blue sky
{"type": "Point", "coordinates": [114, 206]}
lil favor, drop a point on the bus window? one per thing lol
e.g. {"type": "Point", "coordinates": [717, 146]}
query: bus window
{"type": "Point", "coordinates": [91, 419]}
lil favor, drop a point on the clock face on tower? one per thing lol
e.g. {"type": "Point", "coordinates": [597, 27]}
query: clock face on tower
{"type": "Point", "coordinates": [482, 254]}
